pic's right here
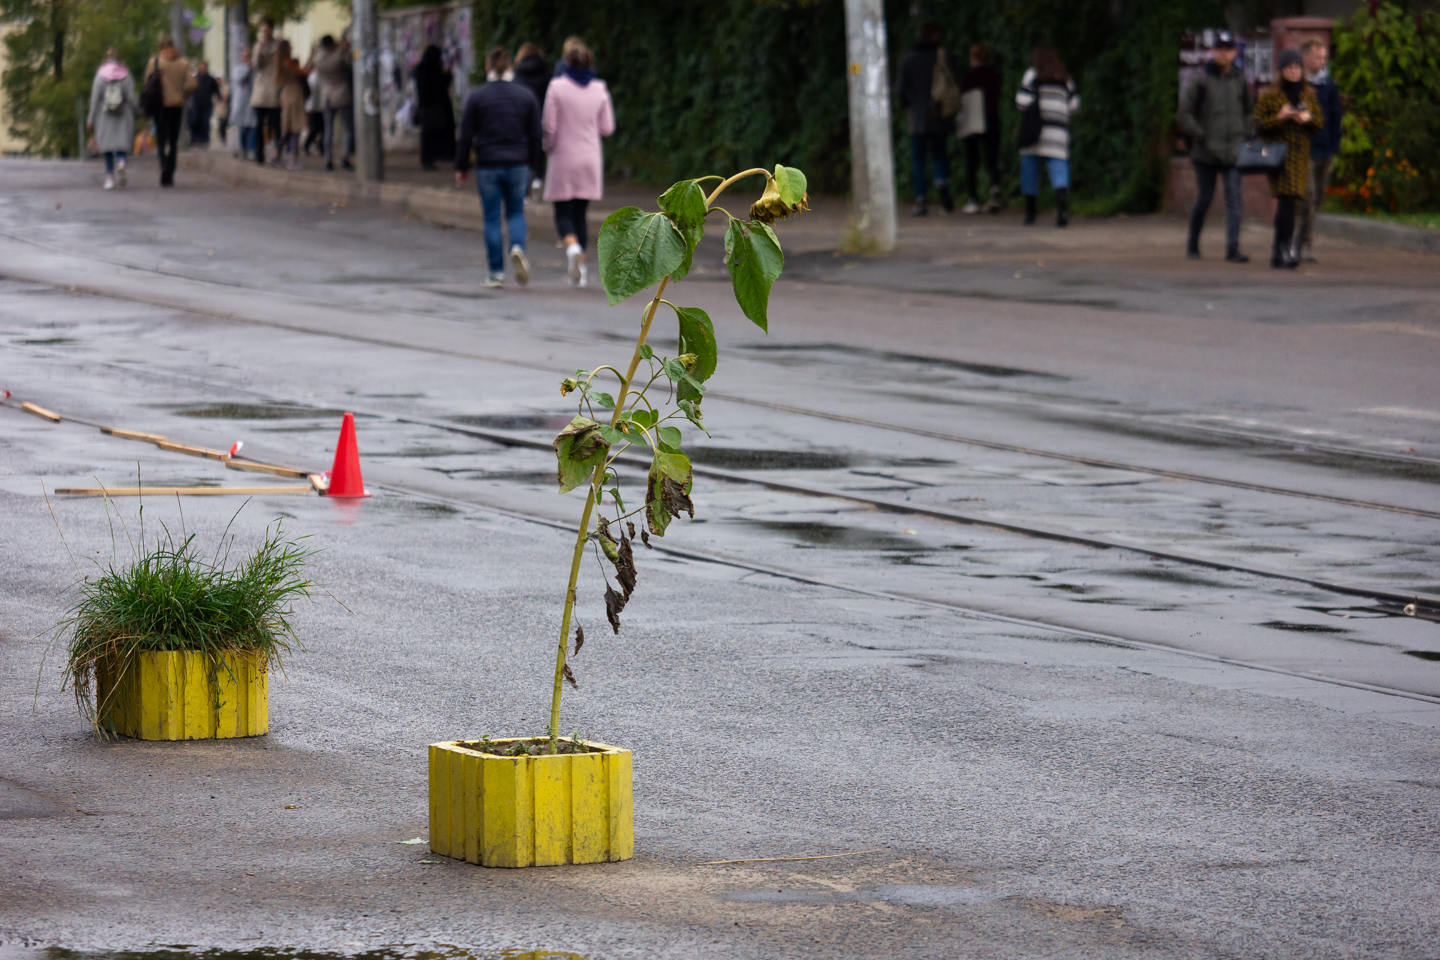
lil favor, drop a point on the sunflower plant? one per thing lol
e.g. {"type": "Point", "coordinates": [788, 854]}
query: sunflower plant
{"type": "Point", "coordinates": [655, 394]}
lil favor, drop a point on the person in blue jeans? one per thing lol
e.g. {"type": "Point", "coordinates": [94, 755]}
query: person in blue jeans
{"type": "Point", "coordinates": [500, 125]}
{"type": "Point", "coordinates": [1048, 92]}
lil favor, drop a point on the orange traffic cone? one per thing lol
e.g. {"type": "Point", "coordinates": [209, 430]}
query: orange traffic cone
{"type": "Point", "coordinates": [345, 480]}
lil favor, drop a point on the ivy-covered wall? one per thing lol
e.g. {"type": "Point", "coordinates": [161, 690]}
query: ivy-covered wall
{"type": "Point", "coordinates": [733, 83]}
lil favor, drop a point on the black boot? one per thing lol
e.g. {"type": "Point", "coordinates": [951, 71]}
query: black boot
{"type": "Point", "coordinates": [1062, 207]}
{"type": "Point", "coordinates": [1280, 257]}
{"type": "Point", "coordinates": [947, 202]}
{"type": "Point", "coordinates": [919, 210]}
{"type": "Point", "coordinates": [1029, 211]}
{"type": "Point", "coordinates": [1192, 239]}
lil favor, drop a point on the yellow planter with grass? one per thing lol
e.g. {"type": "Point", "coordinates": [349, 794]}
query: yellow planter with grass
{"type": "Point", "coordinates": [180, 695]}
{"type": "Point", "coordinates": [503, 811]}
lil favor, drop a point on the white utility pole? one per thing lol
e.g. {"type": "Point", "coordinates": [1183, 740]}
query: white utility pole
{"type": "Point", "coordinates": [368, 143]}
{"type": "Point", "coordinates": [872, 161]}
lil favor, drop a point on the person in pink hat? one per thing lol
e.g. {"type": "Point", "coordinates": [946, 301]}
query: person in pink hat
{"type": "Point", "coordinates": [577, 113]}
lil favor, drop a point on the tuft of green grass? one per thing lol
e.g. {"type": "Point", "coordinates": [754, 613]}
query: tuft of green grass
{"type": "Point", "coordinates": [170, 597]}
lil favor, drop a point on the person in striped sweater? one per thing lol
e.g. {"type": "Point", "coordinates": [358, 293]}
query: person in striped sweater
{"type": "Point", "coordinates": [1048, 95]}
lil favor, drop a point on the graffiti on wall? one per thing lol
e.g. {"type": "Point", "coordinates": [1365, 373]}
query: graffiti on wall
{"type": "Point", "coordinates": [404, 35]}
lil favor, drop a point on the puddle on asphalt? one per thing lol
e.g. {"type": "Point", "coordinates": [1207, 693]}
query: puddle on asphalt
{"type": "Point", "coordinates": [844, 538]}
{"type": "Point", "coordinates": [512, 421]}
{"type": "Point", "coordinates": [740, 458]}
{"type": "Point", "coordinates": [527, 477]}
{"type": "Point", "coordinates": [890, 356]}
{"type": "Point", "coordinates": [1164, 575]}
{"type": "Point", "coordinates": [1433, 655]}
{"type": "Point", "coordinates": [1301, 627]}
{"type": "Point", "coordinates": [256, 411]}
{"type": "Point", "coordinates": [45, 341]}
{"type": "Point", "coordinates": [355, 951]}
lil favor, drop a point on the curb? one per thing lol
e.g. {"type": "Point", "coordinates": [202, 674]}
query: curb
{"type": "Point", "coordinates": [424, 203]}
{"type": "Point", "coordinates": [1377, 233]}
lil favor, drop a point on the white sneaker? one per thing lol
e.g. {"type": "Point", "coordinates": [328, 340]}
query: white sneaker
{"type": "Point", "coordinates": [584, 278]}
{"type": "Point", "coordinates": [109, 182]}
{"type": "Point", "coordinates": [520, 264]}
{"type": "Point", "coordinates": [970, 207]}
{"type": "Point", "coordinates": [575, 263]}
{"type": "Point", "coordinates": [120, 172]}
{"type": "Point", "coordinates": [495, 280]}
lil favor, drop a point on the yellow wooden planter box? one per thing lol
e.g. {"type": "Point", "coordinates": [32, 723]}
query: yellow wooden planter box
{"type": "Point", "coordinates": [175, 695]}
{"type": "Point", "coordinates": [531, 811]}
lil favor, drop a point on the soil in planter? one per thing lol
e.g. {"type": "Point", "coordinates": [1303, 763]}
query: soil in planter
{"type": "Point", "coordinates": [533, 746]}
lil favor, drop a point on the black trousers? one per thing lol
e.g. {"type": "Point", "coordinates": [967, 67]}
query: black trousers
{"type": "Point", "coordinates": [267, 130]}
{"type": "Point", "coordinates": [167, 140]}
{"type": "Point", "coordinates": [1285, 222]}
{"type": "Point", "coordinates": [570, 218]}
{"type": "Point", "coordinates": [989, 141]}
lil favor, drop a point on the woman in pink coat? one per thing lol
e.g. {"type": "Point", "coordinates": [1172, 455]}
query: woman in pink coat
{"type": "Point", "coordinates": [577, 114]}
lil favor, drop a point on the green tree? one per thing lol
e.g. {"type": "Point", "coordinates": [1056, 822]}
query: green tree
{"type": "Point", "coordinates": [1387, 60]}
{"type": "Point", "coordinates": [746, 79]}
{"type": "Point", "coordinates": [51, 60]}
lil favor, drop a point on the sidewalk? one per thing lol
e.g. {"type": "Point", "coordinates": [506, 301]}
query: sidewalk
{"type": "Point", "coordinates": [1148, 242]}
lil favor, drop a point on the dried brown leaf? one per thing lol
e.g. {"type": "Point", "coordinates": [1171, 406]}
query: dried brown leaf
{"type": "Point", "coordinates": [625, 566]}
{"type": "Point", "coordinates": [675, 498]}
{"type": "Point", "coordinates": [614, 603]}
{"type": "Point", "coordinates": [570, 676]}
{"type": "Point", "coordinates": [645, 537]}
{"type": "Point", "coordinates": [579, 638]}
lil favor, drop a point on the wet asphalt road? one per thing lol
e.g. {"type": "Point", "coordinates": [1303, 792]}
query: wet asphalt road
{"type": "Point", "coordinates": [1054, 749]}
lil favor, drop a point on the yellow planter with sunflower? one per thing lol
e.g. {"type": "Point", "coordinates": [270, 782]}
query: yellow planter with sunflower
{"type": "Point", "coordinates": [527, 810]}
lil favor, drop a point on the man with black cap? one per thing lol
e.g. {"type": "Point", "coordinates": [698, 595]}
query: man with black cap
{"type": "Point", "coordinates": [1216, 115]}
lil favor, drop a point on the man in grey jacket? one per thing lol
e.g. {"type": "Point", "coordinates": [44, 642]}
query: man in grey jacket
{"type": "Point", "coordinates": [1216, 115]}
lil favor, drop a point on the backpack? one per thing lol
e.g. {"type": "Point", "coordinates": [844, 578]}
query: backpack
{"type": "Point", "coordinates": [113, 99]}
{"type": "Point", "coordinates": [945, 99]}
{"type": "Point", "coordinates": [152, 95]}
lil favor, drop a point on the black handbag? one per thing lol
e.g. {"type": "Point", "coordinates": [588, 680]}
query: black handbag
{"type": "Point", "coordinates": [1260, 156]}
{"type": "Point", "coordinates": [1030, 125]}
{"type": "Point", "coordinates": [152, 94]}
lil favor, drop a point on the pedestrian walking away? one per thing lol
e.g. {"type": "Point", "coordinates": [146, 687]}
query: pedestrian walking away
{"type": "Point", "coordinates": [1324, 145]}
{"type": "Point", "coordinates": [500, 124]}
{"type": "Point", "coordinates": [111, 120]}
{"type": "Point", "coordinates": [930, 97]}
{"type": "Point", "coordinates": [532, 70]}
{"type": "Point", "coordinates": [576, 115]}
{"type": "Point", "coordinates": [334, 73]}
{"type": "Point", "coordinates": [1047, 99]}
{"type": "Point", "coordinates": [980, 87]}
{"type": "Point", "coordinates": [436, 110]}
{"type": "Point", "coordinates": [222, 109]}
{"type": "Point", "coordinates": [290, 84]}
{"type": "Point", "coordinates": [202, 105]}
{"type": "Point", "coordinates": [242, 114]}
{"type": "Point", "coordinates": [1289, 113]}
{"type": "Point", "coordinates": [314, 111]}
{"type": "Point", "coordinates": [1216, 115]}
{"type": "Point", "coordinates": [176, 83]}
{"type": "Point", "coordinates": [264, 93]}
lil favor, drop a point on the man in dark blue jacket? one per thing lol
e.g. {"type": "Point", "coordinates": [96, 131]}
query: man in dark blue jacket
{"type": "Point", "coordinates": [501, 125]}
{"type": "Point", "coordinates": [1324, 145]}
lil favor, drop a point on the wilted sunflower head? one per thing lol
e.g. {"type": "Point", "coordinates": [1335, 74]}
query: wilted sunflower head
{"type": "Point", "coordinates": [770, 207]}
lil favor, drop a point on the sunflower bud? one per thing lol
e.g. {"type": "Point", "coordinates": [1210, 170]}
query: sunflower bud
{"type": "Point", "coordinates": [687, 360]}
{"type": "Point", "coordinates": [770, 207]}
{"type": "Point", "coordinates": [568, 384]}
